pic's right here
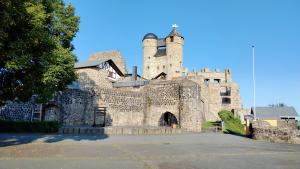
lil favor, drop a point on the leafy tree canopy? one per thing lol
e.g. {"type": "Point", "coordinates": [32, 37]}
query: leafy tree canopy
{"type": "Point", "coordinates": [35, 48]}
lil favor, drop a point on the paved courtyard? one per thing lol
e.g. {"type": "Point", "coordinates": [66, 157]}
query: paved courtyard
{"type": "Point", "coordinates": [189, 151]}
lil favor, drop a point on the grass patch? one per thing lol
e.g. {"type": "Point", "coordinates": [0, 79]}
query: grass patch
{"type": "Point", "coordinates": [210, 124]}
{"type": "Point", "coordinates": [28, 127]}
{"type": "Point", "coordinates": [232, 124]}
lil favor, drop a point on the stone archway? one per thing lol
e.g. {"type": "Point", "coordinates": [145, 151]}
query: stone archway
{"type": "Point", "coordinates": [51, 112]}
{"type": "Point", "coordinates": [168, 119]}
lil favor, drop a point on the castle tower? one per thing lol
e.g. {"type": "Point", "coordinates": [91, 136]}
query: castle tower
{"type": "Point", "coordinates": [163, 55]}
{"type": "Point", "coordinates": [174, 47]}
{"type": "Point", "coordinates": [149, 51]}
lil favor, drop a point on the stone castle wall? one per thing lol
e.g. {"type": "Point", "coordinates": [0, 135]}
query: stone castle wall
{"type": "Point", "coordinates": [212, 84]}
{"type": "Point", "coordinates": [17, 111]}
{"type": "Point", "coordinates": [126, 107]}
{"type": "Point", "coordinates": [145, 106]}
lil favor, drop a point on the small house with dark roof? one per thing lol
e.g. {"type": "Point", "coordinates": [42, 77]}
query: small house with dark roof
{"type": "Point", "coordinates": [275, 116]}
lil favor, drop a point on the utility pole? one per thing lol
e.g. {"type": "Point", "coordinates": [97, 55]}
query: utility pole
{"type": "Point", "coordinates": [253, 79]}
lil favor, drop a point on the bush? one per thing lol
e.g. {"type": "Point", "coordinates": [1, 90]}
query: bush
{"type": "Point", "coordinates": [30, 127]}
{"type": "Point", "coordinates": [233, 125]}
{"type": "Point", "coordinates": [210, 124]}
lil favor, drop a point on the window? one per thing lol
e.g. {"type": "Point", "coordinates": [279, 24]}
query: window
{"type": "Point", "coordinates": [226, 101]}
{"type": "Point", "coordinates": [172, 38]}
{"type": "Point", "coordinates": [148, 67]}
{"type": "Point", "coordinates": [217, 81]}
{"type": "Point", "coordinates": [170, 65]}
{"type": "Point", "coordinates": [206, 81]}
{"type": "Point", "coordinates": [164, 66]}
{"type": "Point", "coordinates": [112, 75]}
{"type": "Point", "coordinates": [157, 67]}
{"type": "Point", "coordinates": [225, 91]}
{"type": "Point", "coordinates": [149, 57]}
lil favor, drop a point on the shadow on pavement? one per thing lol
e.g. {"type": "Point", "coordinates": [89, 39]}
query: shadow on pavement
{"type": "Point", "coordinates": [12, 139]}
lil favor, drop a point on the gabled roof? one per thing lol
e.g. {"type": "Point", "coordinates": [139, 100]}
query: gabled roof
{"type": "Point", "coordinates": [96, 63]}
{"type": "Point", "coordinates": [90, 63]}
{"type": "Point", "coordinates": [162, 74]}
{"type": "Point", "coordinates": [275, 112]}
{"type": "Point", "coordinates": [174, 32]}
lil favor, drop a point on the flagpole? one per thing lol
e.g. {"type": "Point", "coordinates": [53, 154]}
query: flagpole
{"type": "Point", "coordinates": [253, 78]}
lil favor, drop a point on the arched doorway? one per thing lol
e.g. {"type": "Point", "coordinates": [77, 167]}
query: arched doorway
{"type": "Point", "coordinates": [51, 112]}
{"type": "Point", "coordinates": [168, 119]}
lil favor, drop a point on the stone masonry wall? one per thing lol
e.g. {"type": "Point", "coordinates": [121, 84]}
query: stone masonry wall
{"type": "Point", "coordinates": [137, 107]}
{"type": "Point", "coordinates": [17, 111]}
{"type": "Point", "coordinates": [277, 135]}
{"type": "Point", "coordinates": [262, 130]}
{"type": "Point", "coordinates": [129, 107]}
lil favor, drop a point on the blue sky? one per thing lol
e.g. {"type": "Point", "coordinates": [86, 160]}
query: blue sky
{"type": "Point", "coordinates": [218, 34]}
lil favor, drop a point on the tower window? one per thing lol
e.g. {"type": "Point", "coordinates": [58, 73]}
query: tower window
{"type": "Point", "coordinates": [148, 67]}
{"type": "Point", "coordinates": [217, 81]}
{"type": "Point", "coordinates": [157, 67]}
{"type": "Point", "coordinates": [164, 66]}
{"type": "Point", "coordinates": [172, 39]}
{"type": "Point", "coordinates": [225, 91]}
{"type": "Point", "coordinates": [149, 57]}
{"type": "Point", "coordinates": [226, 100]}
{"type": "Point", "coordinates": [206, 81]}
{"type": "Point", "coordinates": [170, 65]}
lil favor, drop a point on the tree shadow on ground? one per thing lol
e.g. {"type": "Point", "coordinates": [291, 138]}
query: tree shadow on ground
{"type": "Point", "coordinates": [231, 132]}
{"type": "Point", "coordinates": [12, 139]}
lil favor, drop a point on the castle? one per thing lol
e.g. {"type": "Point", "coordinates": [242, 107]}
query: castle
{"type": "Point", "coordinates": [165, 95]}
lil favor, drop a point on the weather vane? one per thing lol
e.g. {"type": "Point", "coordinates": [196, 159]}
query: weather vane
{"type": "Point", "coordinates": [175, 26]}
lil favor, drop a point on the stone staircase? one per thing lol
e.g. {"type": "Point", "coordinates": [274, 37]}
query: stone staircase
{"type": "Point", "coordinates": [126, 130]}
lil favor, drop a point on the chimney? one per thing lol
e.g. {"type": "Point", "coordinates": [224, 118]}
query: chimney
{"type": "Point", "coordinates": [134, 73]}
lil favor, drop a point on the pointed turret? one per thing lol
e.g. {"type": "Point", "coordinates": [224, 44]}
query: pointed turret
{"type": "Point", "coordinates": [174, 32]}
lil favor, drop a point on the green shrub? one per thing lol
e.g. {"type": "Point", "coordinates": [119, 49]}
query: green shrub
{"type": "Point", "coordinates": [210, 124]}
{"type": "Point", "coordinates": [233, 125]}
{"type": "Point", "coordinates": [30, 127]}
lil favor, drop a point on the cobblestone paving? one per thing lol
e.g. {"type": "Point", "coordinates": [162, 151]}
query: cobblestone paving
{"type": "Point", "coordinates": [190, 151]}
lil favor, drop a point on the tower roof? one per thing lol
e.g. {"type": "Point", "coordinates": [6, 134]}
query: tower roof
{"type": "Point", "coordinates": [174, 32]}
{"type": "Point", "coordinates": [150, 36]}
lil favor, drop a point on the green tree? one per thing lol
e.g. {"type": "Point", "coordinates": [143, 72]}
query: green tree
{"type": "Point", "coordinates": [35, 48]}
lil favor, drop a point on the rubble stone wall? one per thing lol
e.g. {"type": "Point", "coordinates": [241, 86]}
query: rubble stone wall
{"type": "Point", "coordinates": [281, 134]}
{"type": "Point", "coordinates": [277, 135]}
{"type": "Point", "coordinates": [132, 107]}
